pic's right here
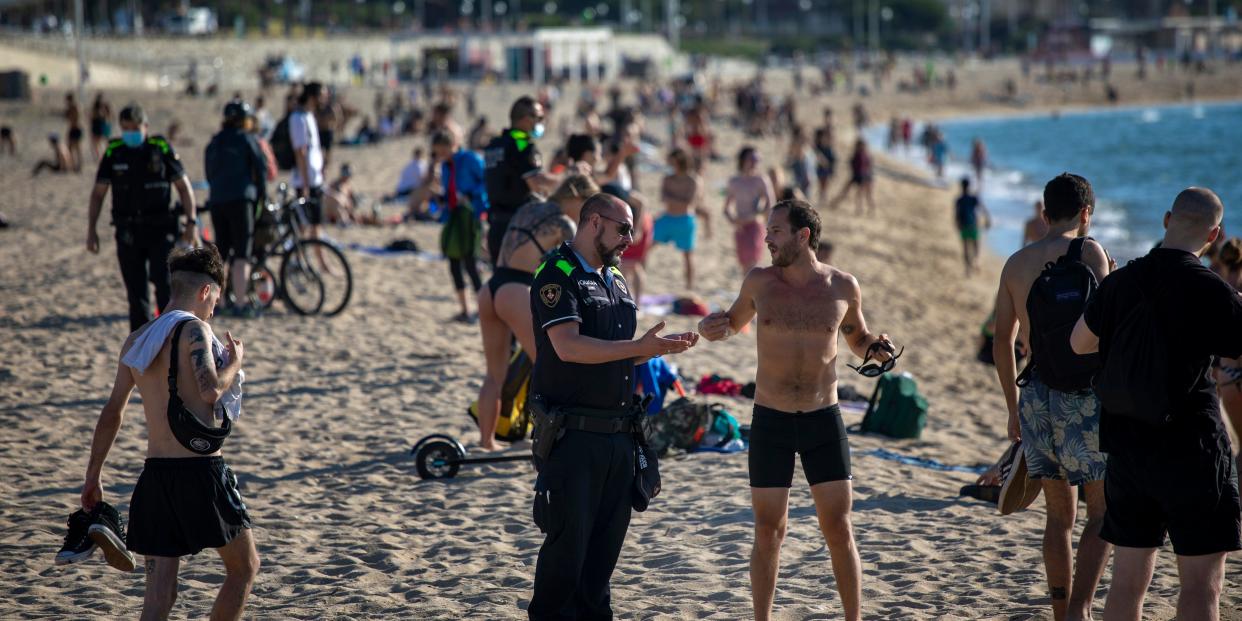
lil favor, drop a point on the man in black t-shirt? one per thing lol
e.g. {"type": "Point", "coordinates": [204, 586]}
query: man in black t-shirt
{"type": "Point", "coordinates": [514, 174]}
{"type": "Point", "coordinates": [141, 170]}
{"type": "Point", "coordinates": [967, 213]}
{"type": "Point", "coordinates": [1176, 477]}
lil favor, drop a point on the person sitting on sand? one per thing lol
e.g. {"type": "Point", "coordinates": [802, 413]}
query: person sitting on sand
{"type": "Point", "coordinates": [8, 143]}
{"type": "Point", "coordinates": [1059, 428]}
{"type": "Point", "coordinates": [186, 498]}
{"type": "Point", "coordinates": [504, 304]}
{"type": "Point", "coordinates": [60, 161]}
{"type": "Point", "coordinates": [748, 197]}
{"type": "Point", "coordinates": [341, 204]}
{"type": "Point", "coordinates": [802, 306]}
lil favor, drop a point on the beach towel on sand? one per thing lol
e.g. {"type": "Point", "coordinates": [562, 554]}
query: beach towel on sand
{"type": "Point", "coordinates": [148, 346]}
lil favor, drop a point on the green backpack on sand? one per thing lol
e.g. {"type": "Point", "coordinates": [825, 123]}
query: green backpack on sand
{"type": "Point", "coordinates": [896, 409]}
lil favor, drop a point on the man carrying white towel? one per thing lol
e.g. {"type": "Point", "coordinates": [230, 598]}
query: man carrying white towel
{"type": "Point", "coordinates": [186, 498]}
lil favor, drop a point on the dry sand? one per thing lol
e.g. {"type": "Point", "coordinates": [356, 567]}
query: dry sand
{"type": "Point", "coordinates": [345, 528]}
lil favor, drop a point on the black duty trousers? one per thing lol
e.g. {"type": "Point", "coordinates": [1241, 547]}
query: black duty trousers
{"type": "Point", "coordinates": [582, 503]}
{"type": "Point", "coordinates": [144, 259]}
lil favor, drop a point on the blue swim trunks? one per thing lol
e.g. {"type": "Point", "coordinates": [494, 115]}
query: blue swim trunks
{"type": "Point", "coordinates": [677, 230]}
{"type": "Point", "coordinates": [1060, 433]}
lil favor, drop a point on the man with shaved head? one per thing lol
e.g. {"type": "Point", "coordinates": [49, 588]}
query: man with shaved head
{"type": "Point", "coordinates": [1169, 471]}
{"type": "Point", "coordinates": [584, 321]}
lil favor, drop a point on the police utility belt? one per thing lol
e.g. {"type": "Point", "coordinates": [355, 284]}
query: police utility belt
{"type": "Point", "coordinates": [551, 423]}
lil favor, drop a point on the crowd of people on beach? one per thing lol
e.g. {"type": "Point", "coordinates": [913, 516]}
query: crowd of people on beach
{"type": "Point", "coordinates": [567, 241]}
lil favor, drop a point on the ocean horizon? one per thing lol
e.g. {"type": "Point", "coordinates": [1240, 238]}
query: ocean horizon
{"type": "Point", "coordinates": [1137, 159]}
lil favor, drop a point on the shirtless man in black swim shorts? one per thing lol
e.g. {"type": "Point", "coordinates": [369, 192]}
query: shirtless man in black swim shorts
{"type": "Point", "coordinates": [186, 499]}
{"type": "Point", "coordinates": [504, 304]}
{"type": "Point", "coordinates": [801, 304]}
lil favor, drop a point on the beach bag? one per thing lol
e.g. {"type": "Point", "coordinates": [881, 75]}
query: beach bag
{"type": "Point", "coordinates": [1056, 301]}
{"type": "Point", "coordinates": [282, 145]}
{"type": "Point", "coordinates": [682, 424]}
{"type": "Point", "coordinates": [722, 430]}
{"type": "Point", "coordinates": [514, 422]}
{"type": "Point", "coordinates": [461, 234]}
{"type": "Point", "coordinates": [1133, 380]}
{"type": "Point", "coordinates": [896, 408]}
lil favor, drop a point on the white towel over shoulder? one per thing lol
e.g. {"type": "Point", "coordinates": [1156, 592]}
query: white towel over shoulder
{"type": "Point", "coordinates": [148, 346]}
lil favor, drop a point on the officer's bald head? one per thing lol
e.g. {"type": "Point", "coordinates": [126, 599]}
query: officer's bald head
{"type": "Point", "coordinates": [604, 204]}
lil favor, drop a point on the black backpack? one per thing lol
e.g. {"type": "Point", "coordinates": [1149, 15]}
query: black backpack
{"type": "Point", "coordinates": [1056, 302]}
{"type": "Point", "coordinates": [282, 145]}
{"type": "Point", "coordinates": [1133, 380]}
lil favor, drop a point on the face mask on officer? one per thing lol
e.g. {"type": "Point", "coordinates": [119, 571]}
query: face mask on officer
{"type": "Point", "coordinates": [537, 133]}
{"type": "Point", "coordinates": [133, 134]}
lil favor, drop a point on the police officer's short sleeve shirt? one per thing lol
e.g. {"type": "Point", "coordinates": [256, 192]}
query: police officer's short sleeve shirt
{"type": "Point", "coordinates": [601, 305]}
{"type": "Point", "coordinates": [510, 159]}
{"type": "Point", "coordinates": [141, 177]}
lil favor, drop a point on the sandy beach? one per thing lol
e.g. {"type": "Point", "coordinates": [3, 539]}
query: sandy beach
{"type": "Point", "coordinates": [344, 526]}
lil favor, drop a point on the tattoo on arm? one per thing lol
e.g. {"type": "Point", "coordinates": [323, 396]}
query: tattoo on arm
{"type": "Point", "coordinates": [204, 372]}
{"type": "Point", "coordinates": [848, 328]}
{"type": "Point", "coordinates": [150, 566]}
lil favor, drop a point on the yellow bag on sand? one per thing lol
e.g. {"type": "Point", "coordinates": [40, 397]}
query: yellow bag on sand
{"type": "Point", "coordinates": [514, 423]}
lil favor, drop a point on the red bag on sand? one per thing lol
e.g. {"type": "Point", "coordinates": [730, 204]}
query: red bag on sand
{"type": "Point", "coordinates": [691, 306]}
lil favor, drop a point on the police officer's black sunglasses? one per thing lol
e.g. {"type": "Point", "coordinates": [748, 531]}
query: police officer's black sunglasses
{"type": "Point", "coordinates": [877, 369]}
{"type": "Point", "coordinates": [624, 230]}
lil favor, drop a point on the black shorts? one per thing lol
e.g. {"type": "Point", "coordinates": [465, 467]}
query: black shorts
{"type": "Point", "coordinates": [75, 134]}
{"type": "Point", "coordinates": [314, 206]}
{"type": "Point", "coordinates": [234, 226]}
{"type": "Point", "coordinates": [505, 275]}
{"type": "Point", "coordinates": [181, 506]}
{"type": "Point", "coordinates": [1192, 497]}
{"type": "Point", "coordinates": [326, 139]}
{"type": "Point", "coordinates": [819, 437]}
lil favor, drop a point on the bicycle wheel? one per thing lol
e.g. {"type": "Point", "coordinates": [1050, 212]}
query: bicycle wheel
{"type": "Point", "coordinates": [300, 285]}
{"type": "Point", "coordinates": [263, 287]}
{"type": "Point", "coordinates": [329, 264]}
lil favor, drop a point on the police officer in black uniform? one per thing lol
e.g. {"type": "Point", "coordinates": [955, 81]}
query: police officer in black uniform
{"type": "Point", "coordinates": [585, 319]}
{"type": "Point", "coordinates": [513, 172]}
{"type": "Point", "coordinates": [141, 170]}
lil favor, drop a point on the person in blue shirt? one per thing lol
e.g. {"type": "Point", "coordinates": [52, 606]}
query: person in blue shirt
{"type": "Point", "coordinates": [464, 199]}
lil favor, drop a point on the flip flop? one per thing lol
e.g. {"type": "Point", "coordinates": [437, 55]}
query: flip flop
{"type": "Point", "coordinates": [1019, 490]}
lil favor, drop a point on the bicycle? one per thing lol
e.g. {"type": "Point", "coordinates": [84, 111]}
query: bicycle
{"type": "Point", "coordinates": [313, 278]}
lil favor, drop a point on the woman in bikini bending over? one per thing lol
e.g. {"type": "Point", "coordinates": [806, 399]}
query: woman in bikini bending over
{"type": "Point", "coordinates": [504, 304]}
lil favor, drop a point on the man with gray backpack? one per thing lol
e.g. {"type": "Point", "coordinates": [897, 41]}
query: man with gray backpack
{"type": "Point", "coordinates": [1044, 288]}
{"type": "Point", "coordinates": [1157, 324]}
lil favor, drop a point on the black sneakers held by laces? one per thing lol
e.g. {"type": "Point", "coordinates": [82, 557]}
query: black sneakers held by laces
{"type": "Point", "coordinates": [78, 544]}
{"type": "Point", "coordinates": [107, 530]}
{"type": "Point", "coordinates": [104, 528]}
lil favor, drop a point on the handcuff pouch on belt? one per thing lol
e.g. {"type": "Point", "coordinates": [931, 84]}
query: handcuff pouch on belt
{"type": "Point", "coordinates": [647, 482]}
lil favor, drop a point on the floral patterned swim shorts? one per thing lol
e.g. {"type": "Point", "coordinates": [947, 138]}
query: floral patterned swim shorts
{"type": "Point", "coordinates": [1060, 433]}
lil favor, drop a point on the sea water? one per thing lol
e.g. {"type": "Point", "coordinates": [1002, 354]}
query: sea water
{"type": "Point", "coordinates": [1137, 160]}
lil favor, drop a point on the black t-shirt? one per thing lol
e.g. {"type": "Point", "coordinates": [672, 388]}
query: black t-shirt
{"type": "Point", "coordinates": [510, 158]}
{"type": "Point", "coordinates": [141, 179]}
{"type": "Point", "coordinates": [1204, 315]}
{"type": "Point", "coordinates": [600, 302]}
{"type": "Point", "coordinates": [967, 211]}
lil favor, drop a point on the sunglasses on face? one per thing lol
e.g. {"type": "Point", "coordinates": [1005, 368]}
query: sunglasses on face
{"type": "Point", "coordinates": [624, 229]}
{"type": "Point", "coordinates": [876, 369]}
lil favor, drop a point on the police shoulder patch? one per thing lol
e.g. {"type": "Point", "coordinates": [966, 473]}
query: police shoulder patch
{"type": "Point", "coordinates": [550, 294]}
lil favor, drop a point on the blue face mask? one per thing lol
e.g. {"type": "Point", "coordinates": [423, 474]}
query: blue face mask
{"type": "Point", "coordinates": [538, 131]}
{"type": "Point", "coordinates": [132, 138]}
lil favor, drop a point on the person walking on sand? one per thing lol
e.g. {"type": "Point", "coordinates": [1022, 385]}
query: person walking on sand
{"type": "Point", "coordinates": [748, 197]}
{"type": "Point", "coordinates": [969, 215]}
{"type": "Point", "coordinates": [978, 159]}
{"type": "Point", "coordinates": [862, 179]}
{"type": "Point", "coordinates": [1157, 323]}
{"type": "Point", "coordinates": [1052, 409]}
{"type": "Point", "coordinates": [186, 498]}
{"type": "Point", "coordinates": [504, 304]}
{"type": "Point", "coordinates": [802, 305]}
{"type": "Point", "coordinates": [459, 173]}
{"type": "Point", "coordinates": [73, 117]}
{"type": "Point", "coordinates": [101, 125]}
{"type": "Point", "coordinates": [585, 321]}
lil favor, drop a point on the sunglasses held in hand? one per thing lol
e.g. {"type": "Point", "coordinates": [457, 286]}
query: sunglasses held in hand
{"type": "Point", "coordinates": [876, 369]}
